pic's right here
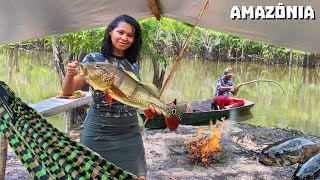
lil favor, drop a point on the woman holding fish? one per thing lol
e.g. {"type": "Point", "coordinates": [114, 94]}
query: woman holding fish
{"type": "Point", "coordinates": [111, 128]}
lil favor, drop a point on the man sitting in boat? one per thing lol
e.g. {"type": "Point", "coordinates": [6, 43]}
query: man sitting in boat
{"type": "Point", "coordinates": [223, 88]}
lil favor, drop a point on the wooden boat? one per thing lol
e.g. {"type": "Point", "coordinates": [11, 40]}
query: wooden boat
{"type": "Point", "coordinates": [202, 113]}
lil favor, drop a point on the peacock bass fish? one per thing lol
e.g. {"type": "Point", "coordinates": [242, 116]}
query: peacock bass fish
{"type": "Point", "coordinates": [126, 88]}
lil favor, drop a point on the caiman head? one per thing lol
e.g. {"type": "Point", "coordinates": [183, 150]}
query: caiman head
{"type": "Point", "coordinates": [98, 73]}
{"type": "Point", "coordinates": [268, 161]}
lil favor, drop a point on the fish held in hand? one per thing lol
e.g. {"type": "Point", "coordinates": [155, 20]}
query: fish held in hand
{"type": "Point", "coordinates": [126, 88]}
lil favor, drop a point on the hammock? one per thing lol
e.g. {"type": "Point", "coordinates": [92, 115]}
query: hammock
{"type": "Point", "coordinates": [46, 152]}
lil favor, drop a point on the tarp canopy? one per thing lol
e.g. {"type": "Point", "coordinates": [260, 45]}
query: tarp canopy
{"type": "Point", "coordinates": [30, 19]}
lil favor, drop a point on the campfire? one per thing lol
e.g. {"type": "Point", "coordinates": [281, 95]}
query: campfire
{"type": "Point", "coordinates": [205, 149]}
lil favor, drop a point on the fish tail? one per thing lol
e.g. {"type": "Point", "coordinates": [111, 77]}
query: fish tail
{"type": "Point", "coordinates": [172, 122]}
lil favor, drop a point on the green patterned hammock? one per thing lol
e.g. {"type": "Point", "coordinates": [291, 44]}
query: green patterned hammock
{"type": "Point", "coordinates": [46, 152]}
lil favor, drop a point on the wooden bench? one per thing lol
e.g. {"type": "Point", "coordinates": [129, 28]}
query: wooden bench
{"type": "Point", "coordinates": [55, 105]}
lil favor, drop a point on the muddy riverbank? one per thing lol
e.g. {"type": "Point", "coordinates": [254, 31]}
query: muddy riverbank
{"type": "Point", "coordinates": [166, 156]}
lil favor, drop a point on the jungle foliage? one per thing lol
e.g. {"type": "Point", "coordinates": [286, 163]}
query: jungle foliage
{"type": "Point", "coordinates": [163, 39]}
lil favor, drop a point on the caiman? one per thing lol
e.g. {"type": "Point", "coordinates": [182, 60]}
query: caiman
{"type": "Point", "coordinates": [288, 152]}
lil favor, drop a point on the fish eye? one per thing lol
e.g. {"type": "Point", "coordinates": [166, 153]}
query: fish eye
{"type": "Point", "coordinates": [97, 65]}
{"type": "Point", "coordinates": [174, 111]}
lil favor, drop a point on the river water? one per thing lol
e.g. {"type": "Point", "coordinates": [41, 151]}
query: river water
{"type": "Point", "coordinates": [194, 80]}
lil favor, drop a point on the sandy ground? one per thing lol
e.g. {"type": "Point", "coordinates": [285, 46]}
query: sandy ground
{"type": "Point", "coordinates": [166, 156]}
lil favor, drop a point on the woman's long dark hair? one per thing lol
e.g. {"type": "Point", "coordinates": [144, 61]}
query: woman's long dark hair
{"type": "Point", "coordinates": [132, 53]}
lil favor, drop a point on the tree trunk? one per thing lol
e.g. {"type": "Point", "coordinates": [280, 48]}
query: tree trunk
{"type": "Point", "coordinates": [242, 57]}
{"type": "Point", "coordinates": [311, 63]}
{"type": "Point", "coordinates": [229, 53]}
{"type": "Point", "coordinates": [291, 58]}
{"type": "Point", "coordinates": [82, 54]}
{"type": "Point", "coordinates": [57, 58]}
{"type": "Point", "coordinates": [177, 46]}
{"type": "Point", "coordinates": [61, 72]}
{"type": "Point", "coordinates": [70, 58]}
{"type": "Point", "coordinates": [157, 76]}
{"type": "Point", "coordinates": [3, 155]}
{"type": "Point", "coordinates": [76, 115]}
{"type": "Point", "coordinates": [305, 61]}
{"type": "Point", "coordinates": [10, 61]}
{"type": "Point", "coordinates": [16, 57]}
{"type": "Point", "coordinates": [219, 53]}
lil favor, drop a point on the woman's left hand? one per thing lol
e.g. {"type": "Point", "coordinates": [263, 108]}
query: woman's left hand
{"type": "Point", "coordinates": [157, 111]}
{"type": "Point", "coordinates": [154, 110]}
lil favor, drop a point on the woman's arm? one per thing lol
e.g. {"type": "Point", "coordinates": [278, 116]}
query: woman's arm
{"type": "Point", "coordinates": [73, 81]}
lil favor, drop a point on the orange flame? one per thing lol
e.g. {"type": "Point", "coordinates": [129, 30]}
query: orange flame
{"type": "Point", "coordinates": [202, 149]}
{"type": "Point", "coordinates": [214, 143]}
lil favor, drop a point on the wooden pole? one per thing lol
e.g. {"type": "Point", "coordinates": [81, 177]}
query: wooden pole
{"type": "Point", "coordinates": [291, 58]}
{"type": "Point", "coordinates": [61, 72]}
{"type": "Point", "coordinates": [3, 155]}
{"type": "Point", "coordinates": [177, 61]}
{"type": "Point", "coordinates": [155, 9]}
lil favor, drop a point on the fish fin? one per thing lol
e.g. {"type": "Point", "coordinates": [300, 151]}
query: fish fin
{"type": "Point", "coordinates": [153, 89]}
{"type": "Point", "coordinates": [174, 101]}
{"type": "Point", "coordinates": [148, 114]}
{"type": "Point", "coordinates": [131, 74]}
{"type": "Point", "coordinates": [117, 91]}
{"type": "Point", "coordinates": [172, 123]}
{"type": "Point", "coordinates": [109, 99]}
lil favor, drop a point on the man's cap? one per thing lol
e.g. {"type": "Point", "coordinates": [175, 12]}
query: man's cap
{"type": "Point", "coordinates": [227, 72]}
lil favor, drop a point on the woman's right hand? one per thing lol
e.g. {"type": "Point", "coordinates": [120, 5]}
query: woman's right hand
{"type": "Point", "coordinates": [72, 68]}
{"type": "Point", "coordinates": [72, 81]}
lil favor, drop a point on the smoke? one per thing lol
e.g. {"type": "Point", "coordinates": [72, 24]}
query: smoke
{"type": "Point", "coordinates": [234, 115]}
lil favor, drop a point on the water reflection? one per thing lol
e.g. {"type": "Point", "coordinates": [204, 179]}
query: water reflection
{"type": "Point", "coordinates": [297, 109]}
{"type": "Point", "coordinates": [36, 79]}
